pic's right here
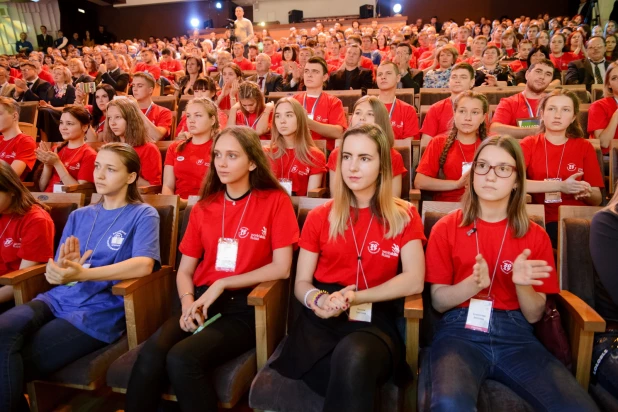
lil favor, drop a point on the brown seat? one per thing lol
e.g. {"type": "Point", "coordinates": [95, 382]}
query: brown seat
{"type": "Point", "coordinates": [169, 102]}
{"type": "Point", "coordinates": [431, 96]}
{"type": "Point", "coordinates": [29, 112]}
{"type": "Point", "coordinates": [406, 95]}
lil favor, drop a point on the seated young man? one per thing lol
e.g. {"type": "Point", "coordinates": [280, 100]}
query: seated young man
{"type": "Point", "coordinates": [157, 119]}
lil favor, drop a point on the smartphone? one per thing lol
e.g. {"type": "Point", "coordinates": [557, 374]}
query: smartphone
{"type": "Point", "coordinates": [89, 87]}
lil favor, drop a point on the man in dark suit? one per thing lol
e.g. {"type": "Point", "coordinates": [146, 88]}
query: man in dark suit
{"type": "Point", "coordinates": [267, 80]}
{"type": "Point", "coordinates": [30, 88]}
{"type": "Point", "coordinates": [590, 70]}
{"type": "Point", "coordinates": [223, 58]}
{"type": "Point", "coordinates": [44, 40]}
{"type": "Point", "coordinates": [110, 73]}
{"type": "Point", "coordinates": [410, 78]}
{"type": "Point", "coordinates": [294, 81]}
{"type": "Point", "coordinates": [351, 76]}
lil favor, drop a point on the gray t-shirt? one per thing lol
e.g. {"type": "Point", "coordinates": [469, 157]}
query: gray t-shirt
{"type": "Point", "coordinates": [243, 30]}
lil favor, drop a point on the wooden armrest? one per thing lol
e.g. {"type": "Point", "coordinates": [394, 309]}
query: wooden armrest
{"type": "Point", "coordinates": [413, 307]}
{"type": "Point", "coordinates": [131, 285]}
{"type": "Point", "coordinates": [18, 276]}
{"type": "Point", "coordinates": [28, 185]}
{"type": "Point", "coordinates": [82, 187]}
{"type": "Point", "coordinates": [317, 193]}
{"type": "Point", "coordinates": [150, 190]}
{"type": "Point", "coordinates": [415, 194]}
{"type": "Point", "coordinates": [265, 292]}
{"type": "Point", "coordinates": [583, 315]}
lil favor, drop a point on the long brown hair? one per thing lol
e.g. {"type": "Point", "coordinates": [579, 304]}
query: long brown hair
{"type": "Point", "coordinates": [80, 114]}
{"type": "Point", "coordinates": [21, 198]}
{"type": "Point", "coordinates": [380, 115]}
{"type": "Point", "coordinates": [607, 88]}
{"type": "Point", "coordinates": [393, 212]}
{"type": "Point", "coordinates": [575, 129]}
{"type": "Point", "coordinates": [135, 131]}
{"type": "Point", "coordinates": [261, 178]}
{"type": "Point", "coordinates": [250, 90]}
{"type": "Point", "coordinates": [129, 158]}
{"type": "Point", "coordinates": [469, 94]}
{"type": "Point", "coordinates": [211, 111]}
{"type": "Point", "coordinates": [516, 211]}
{"type": "Point", "coordinates": [303, 142]}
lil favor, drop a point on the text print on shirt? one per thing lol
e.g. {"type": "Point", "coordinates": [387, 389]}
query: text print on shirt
{"type": "Point", "coordinates": [374, 247]}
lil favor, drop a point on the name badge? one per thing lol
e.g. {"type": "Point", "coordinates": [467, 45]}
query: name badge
{"type": "Point", "coordinates": [479, 314]}
{"type": "Point", "coordinates": [465, 167]}
{"type": "Point", "coordinates": [310, 115]}
{"type": "Point", "coordinates": [529, 123]}
{"type": "Point", "coordinates": [227, 253]}
{"type": "Point", "coordinates": [58, 188]}
{"type": "Point", "coordinates": [553, 197]}
{"type": "Point", "coordinates": [361, 313]}
{"type": "Point", "coordinates": [287, 185]}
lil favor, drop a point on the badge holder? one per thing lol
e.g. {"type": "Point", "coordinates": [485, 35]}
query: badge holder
{"type": "Point", "coordinates": [465, 167]}
{"type": "Point", "coordinates": [58, 188]}
{"type": "Point", "coordinates": [227, 253]}
{"type": "Point", "coordinates": [479, 313]}
{"type": "Point", "coordinates": [529, 123]}
{"type": "Point", "coordinates": [553, 197]}
{"type": "Point", "coordinates": [85, 266]}
{"type": "Point", "coordinates": [361, 313]}
{"type": "Point", "coordinates": [287, 185]}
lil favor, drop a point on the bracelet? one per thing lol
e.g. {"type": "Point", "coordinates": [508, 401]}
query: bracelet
{"type": "Point", "coordinates": [307, 294]}
{"type": "Point", "coordinates": [185, 294]}
{"type": "Point", "coordinates": [317, 297]}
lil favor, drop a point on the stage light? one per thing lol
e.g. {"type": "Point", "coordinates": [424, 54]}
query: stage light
{"type": "Point", "coordinates": [194, 23]}
{"type": "Point", "coordinates": [262, 24]}
{"type": "Point", "coordinates": [397, 8]}
{"type": "Point", "coordinates": [81, 11]}
{"type": "Point", "coordinates": [218, 5]}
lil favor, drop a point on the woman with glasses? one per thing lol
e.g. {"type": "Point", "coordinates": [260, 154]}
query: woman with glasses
{"type": "Point", "coordinates": [490, 269]}
{"type": "Point", "coordinates": [562, 167]}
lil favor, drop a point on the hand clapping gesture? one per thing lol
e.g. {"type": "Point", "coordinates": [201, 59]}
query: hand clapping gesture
{"type": "Point", "coordinates": [480, 273]}
{"type": "Point", "coordinates": [69, 266]}
{"type": "Point", "coordinates": [529, 272]}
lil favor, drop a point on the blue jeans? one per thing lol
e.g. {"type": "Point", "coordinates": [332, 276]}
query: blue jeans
{"type": "Point", "coordinates": [34, 344]}
{"type": "Point", "coordinates": [607, 369]}
{"type": "Point", "coordinates": [462, 359]}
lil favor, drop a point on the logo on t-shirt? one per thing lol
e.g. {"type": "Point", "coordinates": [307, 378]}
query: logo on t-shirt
{"type": "Point", "coordinates": [200, 162]}
{"type": "Point", "coordinates": [262, 235]}
{"type": "Point", "coordinates": [180, 158]}
{"type": "Point", "coordinates": [243, 232]}
{"type": "Point", "coordinates": [397, 125]}
{"type": "Point", "coordinates": [506, 266]}
{"type": "Point", "coordinates": [374, 247]}
{"type": "Point", "coordinates": [8, 242]}
{"type": "Point", "coordinates": [5, 155]}
{"type": "Point", "coordinates": [76, 167]}
{"type": "Point", "coordinates": [115, 241]}
{"type": "Point", "coordinates": [571, 167]}
{"type": "Point", "coordinates": [394, 252]}
{"type": "Point", "coordinates": [294, 169]}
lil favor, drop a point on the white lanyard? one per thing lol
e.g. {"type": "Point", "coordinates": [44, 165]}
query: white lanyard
{"type": "Point", "coordinates": [239, 222]}
{"type": "Point", "coordinates": [359, 253]}
{"type": "Point", "coordinates": [6, 227]}
{"type": "Point", "coordinates": [315, 104]}
{"type": "Point", "coordinates": [149, 109]}
{"type": "Point", "coordinates": [254, 123]}
{"type": "Point", "coordinates": [8, 143]}
{"type": "Point", "coordinates": [107, 230]}
{"type": "Point", "coordinates": [289, 168]}
{"type": "Point", "coordinates": [530, 107]}
{"type": "Point", "coordinates": [390, 114]}
{"type": "Point", "coordinates": [561, 156]}
{"type": "Point", "coordinates": [462, 152]}
{"type": "Point", "coordinates": [79, 149]}
{"type": "Point", "coordinates": [478, 252]}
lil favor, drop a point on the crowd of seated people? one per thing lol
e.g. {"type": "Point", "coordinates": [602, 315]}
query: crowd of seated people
{"type": "Point", "coordinates": [235, 129]}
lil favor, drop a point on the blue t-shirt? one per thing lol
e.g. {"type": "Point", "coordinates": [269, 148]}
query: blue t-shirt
{"type": "Point", "coordinates": [90, 306]}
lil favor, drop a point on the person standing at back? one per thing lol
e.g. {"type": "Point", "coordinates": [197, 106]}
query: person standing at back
{"type": "Point", "coordinates": [243, 29]}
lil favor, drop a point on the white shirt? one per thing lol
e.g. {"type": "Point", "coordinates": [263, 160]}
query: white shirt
{"type": "Point", "coordinates": [243, 29]}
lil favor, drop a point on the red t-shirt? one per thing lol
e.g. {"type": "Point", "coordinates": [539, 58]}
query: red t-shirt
{"type": "Point", "coordinates": [514, 107]}
{"type": "Point", "coordinates": [190, 166]}
{"type": "Point", "coordinates": [509, 52]}
{"type": "Point", "coordinates": [404, 120]}
{"type": "Point", "coordinates": [338, 258]}
{"type": "Point", "coordinates": [244, 64]}
{"type": "Point", "coordinates": [225, 103]}
{"type": "Point", "coordinates": [562, 63]}
{"type": "Point", "coordinates": [171, 66]}
{"type": "Point", "coordinates": [25, 237]}
{"type": "Point", "coordinates": [457, 154]}
{"type": "Point", "coordinates": [275, 61]}
{"type": "Point", "coordinates": [14, 74]}
{"type": "Point", "coordinates": [47, 76]}
{"type": "Point", "coordinates": [252, 121]}
{"type": "Point", "coordinates": [461, 48]}
{"type": "Point", "coordinates": [160, 117]}
{"type": "Point", "coordinates": [21, 147]}
{"type": "Point", "coordinates": [150, 158]}
{"type": "Point", "coordinates": [289, 167]}
{"type": "Point", "coordinates": [152, 69]}
{"type": "Point", "coordinates": [518, 65]}
{"type": "Point", "coordinates": [78, 162]}
{"type": "Point", "coordinates": [268, 224]}
{"type": "Point", "coordinates": [451, 255]}
{"type": "Point", "coordinates": [579, 156]}
{"type": "Point", "coordinates": [396, 161]}
{"type": "Point", "coordinates": [328, 110]}
{"type": "Point", "coordinates": [439, 118]}
{"type": "Point", "coordinates": [599, 116]}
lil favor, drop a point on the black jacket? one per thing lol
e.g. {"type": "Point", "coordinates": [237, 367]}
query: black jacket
{"type": "Point", "coordinates": [273, 82]}
{"type": "Point", "coordinates": [581, 72]}
{"type": "Point", "coordinates": [116, 78]}
{"type": "Point", "coordinates": [37, 92]}
{"type": "Point", "coordinates": [44, 43]}
{"type": "Point", "coordinates": [360, 78]}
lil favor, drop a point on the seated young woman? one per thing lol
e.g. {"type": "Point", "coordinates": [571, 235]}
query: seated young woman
{"type": "Point", "coordinates": [490, 270]}
{"type": "Point", "coordinates": [217, 272]}
{"type": "Point", "coordinates": [369, 109]}
{"type": "Point", "coordinates": [251, 110]}
{"type": "Point", "coordinates": [71, 162]}
{"type": "Point", "coordinates": [561, 166]}
{"type": "Point", "coordinates": [187, 161]}
{"type": "Point", "coordinates": [602, 114]}
{"type": "Point", "coordinates": [26, 230]}
{"type": "Point", "coordinates": [103, 95]}
{"type": "Point", "coordinates": [124, 124]}
{"type": "Point", "coordinates": [232, 78]}
{"type": "Point", "coordinates": [203, 88]}
{"type": "Point", "coordinates": [603, 246]}
{"type": "Point", "coordinates": [194, 69]}
{"type": "Point", "coordinates": [350, 251]}
{"type": "Point", "coordinates": [447, 160]}
{"type": "Point", "coordinates": [16, 148]}
{"type": "Point", "coordinates": [113, 240]}
{"type": "Point", "coordinates": [50, 106]}
{"type": "Point", "coordinates": [294, 158]}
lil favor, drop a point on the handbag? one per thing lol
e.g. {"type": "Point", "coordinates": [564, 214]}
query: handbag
{"type": "Point", "coordinates": [551, 334]}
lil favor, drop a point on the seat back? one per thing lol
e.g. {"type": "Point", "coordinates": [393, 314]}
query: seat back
{"type": "Point", "coordinates": [427, 97]}
{"type": "Point", "coordinates": [62, 205]}
{"type": "Point", "coordinates": [29, 112]}
{"type": "Point", "coordinates": [582, 116]}
{"type": "Point", "coordinates": [28, 129]}
{"type": "Point", "coordinates": [404, 147]}
{"type": "Point", "coordinates": [495, 94]}
{"type": "Point", "coordinates": [182, 105]}
{"type": "Point", "coordinates": [169, 102]}
{"type": "Point", "coordinates": [348, 97]}
{"type": "Point", "coordinates": [405, 95]}
{"type": "Point", "coordinates": [163, 146]}
{"type": "Point", "coordinates": [275, 96]}
{"type": "Point", "coordinates": [613, 165]}
{"type": "Point", "coordinates": [597, 92]}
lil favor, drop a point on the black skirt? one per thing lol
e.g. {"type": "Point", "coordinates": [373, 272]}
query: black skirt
{"type": "Point", "coordinates": [311, 338]}
{"type": "Point", "coordinates": [231, 303]}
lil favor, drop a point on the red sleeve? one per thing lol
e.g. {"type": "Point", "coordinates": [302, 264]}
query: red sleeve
{"type": "Point", "coordinates": [284, 224]}
{"type": "Point", "coordinates": [182, 125]}
{"type": "Point", "coordinates": [165, 120]}
{"type": "Point", "coordinates": [169, 155]}
{"type": "Point", "coordinates": [86, 170]}
{"type": "Point", "coordinates": [332, 159]}
{"type": "Point", "coordinates": [410, 123]}
{"type": "Point", "coordinates": [336, 115]}
{"type": "Point", "coordinates": [191, 244]}
{"type": "Point", "coordinates": [151, 164]}
{"type": "Point", "coordinates": [429, 164]}
{"type": "Point", "coordinates": [24, 151]}
{"type": "Point", "coordinates": [155, 71]}
{"type": "Point", "coordinates": [597, 117]}
{"type": "Point", "coordinates": [397, 163]}
{"type": "Point", "coordinates": [592, 171]}
{"type": "Point", "coordinates": [414, 230]}
{"type": "Point", "coordinates": [504, 113]}
{"type": "Point", "coordinates": [439, 267]}
{"type": "Point", "coordinates": [310, 237]}
{"type": "Point", "coordinates": [542, 250]}
{"type": "Point", "coordinates": [319, 159]}
{"type": "Point", "coordinates": [431, 122]}
{"type": "Point", "coordinates": [527, 147]}
{"type": "Point", "coordinates": [37, 238]}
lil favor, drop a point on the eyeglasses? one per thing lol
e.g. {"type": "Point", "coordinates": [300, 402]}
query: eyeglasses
{"type": "Point", "coordinates": [503, 171]}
